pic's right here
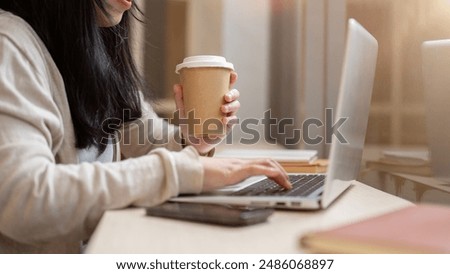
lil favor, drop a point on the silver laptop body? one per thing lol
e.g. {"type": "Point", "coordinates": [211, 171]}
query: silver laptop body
{"type": "Point", "coordinates": [436, 83]}
{"type": "Point", "coordinates": [345, 157]}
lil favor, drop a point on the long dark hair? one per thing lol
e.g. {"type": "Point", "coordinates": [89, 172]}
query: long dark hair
{"type": "Point", "coordinates": [100, 77]}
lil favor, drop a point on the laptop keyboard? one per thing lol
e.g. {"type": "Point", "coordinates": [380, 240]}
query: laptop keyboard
{"type": "Point", "coordinates": [302, 185]}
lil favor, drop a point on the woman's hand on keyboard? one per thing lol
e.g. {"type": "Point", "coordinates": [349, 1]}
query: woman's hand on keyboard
{"type": "Point", "coordinates": [222, 172]}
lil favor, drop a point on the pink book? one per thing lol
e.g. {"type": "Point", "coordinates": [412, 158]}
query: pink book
{"type": "Point", "coordinates": [415, 229]}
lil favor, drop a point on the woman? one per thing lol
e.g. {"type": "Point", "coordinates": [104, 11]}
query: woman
{"type": "Point", "coordinates": [66, 78]}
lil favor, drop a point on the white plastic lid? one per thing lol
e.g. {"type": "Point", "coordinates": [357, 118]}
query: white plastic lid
{"type": "Point", "coordinates": [204, 61]}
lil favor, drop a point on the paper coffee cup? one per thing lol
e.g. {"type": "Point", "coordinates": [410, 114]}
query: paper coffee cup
{"type": "Point", "coordinates": [205, 80]}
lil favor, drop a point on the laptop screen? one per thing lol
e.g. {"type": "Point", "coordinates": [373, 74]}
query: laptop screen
{"type": "Point", "coordinates": [353, 107]}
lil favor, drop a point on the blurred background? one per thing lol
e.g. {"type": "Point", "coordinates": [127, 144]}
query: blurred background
{"type": "Point", "coordinates": [288, 54]}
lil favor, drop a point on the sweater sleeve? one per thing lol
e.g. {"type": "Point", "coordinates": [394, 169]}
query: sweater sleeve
{"type": "Point", "coordinates": [143, 135]}
{"type": "Point", "coordinates": [42, 201]}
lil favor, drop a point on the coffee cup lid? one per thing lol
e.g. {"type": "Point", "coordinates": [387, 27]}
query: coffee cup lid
{"type": "Point", "coordinates": [204, 61]}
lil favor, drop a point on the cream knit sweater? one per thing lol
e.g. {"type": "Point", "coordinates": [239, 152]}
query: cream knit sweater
{"type": "Point", "coordinates": [49, 202]}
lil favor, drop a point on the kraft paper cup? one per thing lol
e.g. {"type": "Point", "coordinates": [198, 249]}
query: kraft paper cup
{"type": "Point", "coordinates": [205, 80]}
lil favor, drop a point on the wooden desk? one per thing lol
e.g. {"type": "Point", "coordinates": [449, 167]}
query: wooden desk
{"type": "Point", "coordinates": [130, 231]}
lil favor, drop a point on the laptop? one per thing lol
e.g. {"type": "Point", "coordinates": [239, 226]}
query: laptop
{"type": "Point", "coordinates": [436, 83]}
{"type": "Point", "coordinates": [318, 191]}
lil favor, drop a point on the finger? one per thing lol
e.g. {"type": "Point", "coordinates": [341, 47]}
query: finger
{"type": "Point", "coordinates": [230, 108]}
{"type": "Point", "coordinates": [178, 94]}
{"type": "Point", "coordinates": [233, 78]}
{"type": "Point", "coordinates": [282, 178]}
{"type": "Point", "coordinates": [282, 169]}
{"type": "Point", "coordinates": [232, 95]}
{"type": "Point", "coordinates": [230, 121]}
{"type": "Point", "coordinates": [274, 163]}
{"type": "Point", "coordinates": [272, 172]}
